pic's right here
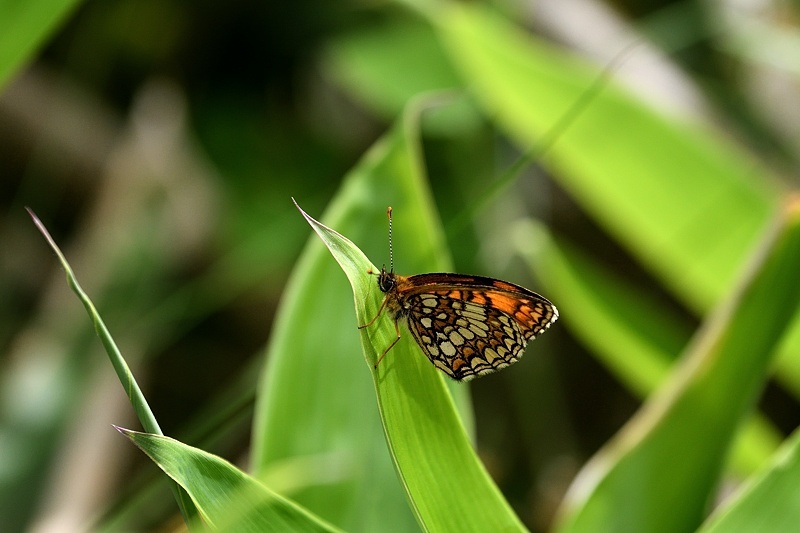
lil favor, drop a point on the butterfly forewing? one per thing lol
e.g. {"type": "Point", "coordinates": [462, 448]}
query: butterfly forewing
{"type": "Point", "coordinates": [470, 325]}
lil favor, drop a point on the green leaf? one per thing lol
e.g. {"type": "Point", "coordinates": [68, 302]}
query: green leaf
{"type": "Point", "coordinates": [658, 473]}
{"type": "Point", "coordinates": [768, 502]}
{"type": "Point", "coordinates": [327, 444]}
{"type": "Point", "coordinates": [227, 498]}
{"type": "Point", "coordinates": [24, 26]}
{"type": "Point", "coordinates": [446, 483]}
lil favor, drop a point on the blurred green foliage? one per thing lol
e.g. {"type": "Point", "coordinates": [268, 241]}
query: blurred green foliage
{"type": "Point", "coordinates": [161, 142]}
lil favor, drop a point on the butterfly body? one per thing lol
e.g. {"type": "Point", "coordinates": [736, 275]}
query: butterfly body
{"type": "Point", "coordinates": [466, 325]}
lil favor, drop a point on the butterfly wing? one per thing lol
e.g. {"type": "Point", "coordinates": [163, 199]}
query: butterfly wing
{"type": "Point", "coordinates": [469, 325]}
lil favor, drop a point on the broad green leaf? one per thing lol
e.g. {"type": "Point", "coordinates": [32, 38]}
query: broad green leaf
{"type": "Point", "coordinates": [24, 26]}
{"type": "Point", "coordinates": [447, 485]}
{"type": "Point", "coordinates": [635, 338]}
{"type": "Point", "coordinates": [227, 498]}
{"type": "Point", "coordinates": [768, 502]}
{"type": "Point", "coordinates": [685, 202]}
{"type": "Point", "coordinates": [327, 444]}
{"type": "Point", "coordinates": [658, 473]}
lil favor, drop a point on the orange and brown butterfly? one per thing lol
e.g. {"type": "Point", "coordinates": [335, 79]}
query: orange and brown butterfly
{"type": "Point", "coordinates": [466, 325]}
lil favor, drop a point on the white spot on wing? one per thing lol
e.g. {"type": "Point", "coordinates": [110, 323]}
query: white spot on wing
{"type": "Point", "coordinates": [477, 330]}
{"type": "Point", "coordinates": [490, 355]}
{"type": "Point", "coordinates": [466, 333]}
{"type": "Point", "coordinates": [456, 339]}
{"type": "Point", "coordinates": [447, 348]}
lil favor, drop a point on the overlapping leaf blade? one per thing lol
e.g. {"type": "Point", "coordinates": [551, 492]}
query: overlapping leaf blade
{"type": "Point", "coordinates": [637, 340]}
{"type": "Point", "coordinates": [768, 502]}
{"type": "Point", "coordinates": [315, 348]}
{"type": "Point", "coordinates": [659, 472]}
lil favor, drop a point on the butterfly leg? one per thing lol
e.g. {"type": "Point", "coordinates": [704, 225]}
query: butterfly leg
{"type": "Point", "coordinates": [380, 310]}
{"type": "Point", "coordinates": [397, 330]}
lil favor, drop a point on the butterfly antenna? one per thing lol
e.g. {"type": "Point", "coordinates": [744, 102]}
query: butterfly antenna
{"type": "Point", "coordinates": [391, 255]}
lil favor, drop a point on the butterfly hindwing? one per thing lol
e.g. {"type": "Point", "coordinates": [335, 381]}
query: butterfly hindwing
{"type": "Point", "coordinates": [462, 332]}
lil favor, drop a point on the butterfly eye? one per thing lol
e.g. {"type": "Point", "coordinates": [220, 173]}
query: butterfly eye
{"type": "Point", "coordinates": [386, 281]}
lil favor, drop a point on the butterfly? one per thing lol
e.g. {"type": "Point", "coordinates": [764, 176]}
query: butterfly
{"type": "Point", "coordinates": [467, 326]}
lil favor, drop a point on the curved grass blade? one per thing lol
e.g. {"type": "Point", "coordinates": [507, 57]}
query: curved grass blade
{"type": "Point", "coordinates": [126, 378]}
{"type": "Point", "coordinates": [134, 392]}
{"type": "Point", "coordinates": [447, 485]}
{"type": "Point", "coordinates": [226, 498]}
{"type": "Point", "coordinates": [658, 474]}
{"type": "Point", "coordinates": [637, 340]}
{"type": "Point", "coordinates": [768, 501]}
{"type": "Point", "coordinates": [314, 347]}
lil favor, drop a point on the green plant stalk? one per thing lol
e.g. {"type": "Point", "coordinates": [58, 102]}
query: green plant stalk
{"type": "Point", "coordinates": [126, 378]}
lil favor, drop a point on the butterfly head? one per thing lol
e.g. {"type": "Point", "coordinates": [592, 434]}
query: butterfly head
{"type": "Point", "coordinates": [386, 280]}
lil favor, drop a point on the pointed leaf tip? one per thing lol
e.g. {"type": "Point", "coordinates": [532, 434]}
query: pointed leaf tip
{"type": "Point", "coordinates": [302, 212]}
{"type": "Point", "coordinates": [122, 430]}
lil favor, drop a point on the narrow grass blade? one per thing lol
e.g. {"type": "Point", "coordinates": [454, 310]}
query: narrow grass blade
{"type": "Point", "coordinates": [226, 498]}
{"type": "Point", "coordinates": [447, 485]}
{"type": "Point", "coordinates": [135, 395]}
{"type": "Point", "coordinates": [658, 474]}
